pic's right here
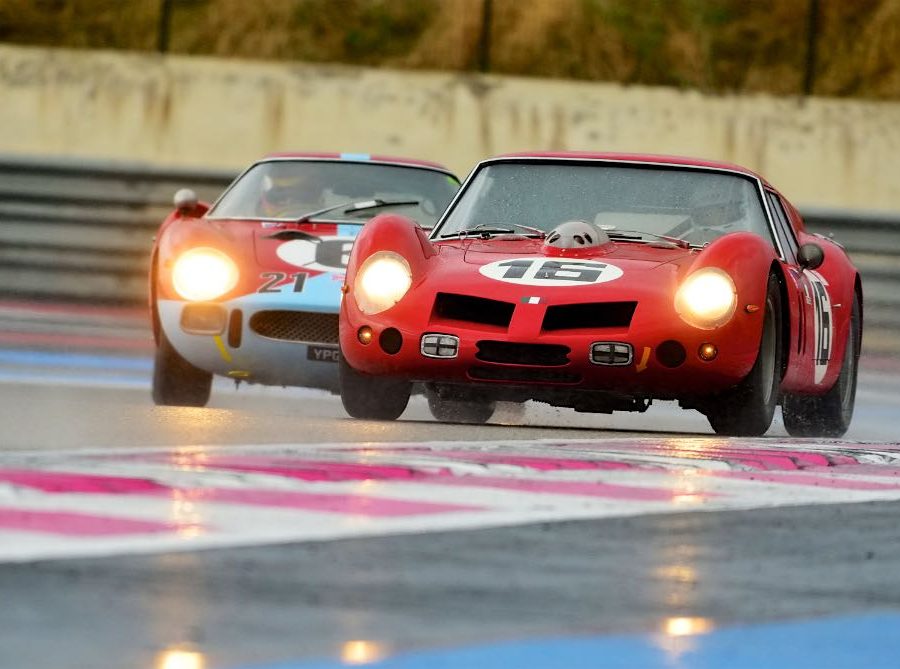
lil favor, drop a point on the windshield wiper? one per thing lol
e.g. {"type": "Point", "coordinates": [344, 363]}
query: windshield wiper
{"type": "Point", "coordinates": [638, 235]}
{"type": "Point", "coordinates": [486, 231]}
{"type": "Point", "coordinates": [353, 207]}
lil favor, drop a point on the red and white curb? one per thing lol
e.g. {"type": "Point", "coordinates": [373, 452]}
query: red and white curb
{"type": "Point", "coordinates": [88, 503]}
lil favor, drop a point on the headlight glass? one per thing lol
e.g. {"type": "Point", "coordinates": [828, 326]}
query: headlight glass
{"type": "Point", "coordinates": [381, 282]}
{"type": "Point", "coordinates": [204, 274]}
{"type": "Point", "coordinates": [707, 298]}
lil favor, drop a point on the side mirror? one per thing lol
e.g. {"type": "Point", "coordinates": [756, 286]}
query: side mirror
{"type": "Point", "coordinates": [185, 201]}
{"type": "Point", "coordinates": [810, 256]}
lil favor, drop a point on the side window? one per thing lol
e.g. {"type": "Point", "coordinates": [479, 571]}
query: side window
{"type": "Point", "coordinates": [786, 238]}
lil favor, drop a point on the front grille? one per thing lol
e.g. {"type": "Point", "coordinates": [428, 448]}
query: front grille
{"type": "Point", "coordinates": [306, 326]}
{"type": "Point", "coordinates": [508, 353]}
{"type": "Point", "coordinates": [449, 306]}
{"type": "Point", "coordinates": [523, 375]}
{"type": "Point", "coordinates": [592, 315]}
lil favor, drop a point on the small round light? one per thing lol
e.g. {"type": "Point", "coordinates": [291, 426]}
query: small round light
{"type": "Point", "coordinates": [204, 274]}
{"type": "Point", "coordinates": [708, 352]}
{"type": "Point", "coordinates": [365, 335]}
{"type": "Point", "coordinates": [706, 299]}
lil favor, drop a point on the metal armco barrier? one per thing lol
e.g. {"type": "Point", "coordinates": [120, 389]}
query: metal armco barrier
{"type": "Point", "coordinates": [72, 230]}
{"type": "Point", "coordinates": [79, 230]}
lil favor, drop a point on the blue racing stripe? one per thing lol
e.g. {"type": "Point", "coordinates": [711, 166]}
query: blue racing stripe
{"type": "Point", "coordinates": [83, 360]}
{"type": "Point", "coordinates": [868, 641]}
{"type": "Point", "coordinates": [51, 378]}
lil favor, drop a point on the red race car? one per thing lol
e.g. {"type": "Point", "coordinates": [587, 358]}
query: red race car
{"type": "Point", "coordinates": [249, 288]}
{"type": "Point", "coordinates": [602, 282]}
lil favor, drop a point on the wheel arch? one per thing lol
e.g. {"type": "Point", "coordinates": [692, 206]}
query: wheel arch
{"type": "Point", "coordinates": [858, 292]}
{"type": "Point", "coordinates": [777, 270]}
{"type": "Point", "coordinates": [152, 295]}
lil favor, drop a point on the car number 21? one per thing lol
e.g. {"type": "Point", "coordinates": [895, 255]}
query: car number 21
{"type": "Point", "coordinates": [275, 282]}
{"type": "Point", "coordinates": [547, 272]}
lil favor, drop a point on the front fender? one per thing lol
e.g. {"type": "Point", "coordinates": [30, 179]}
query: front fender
{"type": "Point", "coordinates": [390, 233]}
{"type": "Point", "coordinates": [747, 258]}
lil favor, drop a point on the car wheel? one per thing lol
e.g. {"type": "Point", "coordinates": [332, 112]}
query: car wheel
{"type": "Point", "coordinates": [828, 415]}
{"type": "Point", "coordinates": [747, 409]}
{"type": "Point", "coordinates": [176, 382]}
{"type": "Point", "coordinates": [372, 397]}
{"type": "Point", "coordinates": [457, 410]}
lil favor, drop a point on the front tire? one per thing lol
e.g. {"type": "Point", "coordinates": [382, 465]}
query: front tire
{"type": "Point", "coordinates": [459, 410]}
{"type": "Point", "coordinates": [176, 382]}
{"type": "Point", "coordinates": [828, 415]}
{"type": "Point", "coordinates": [372, 397]}
{"type": "Point", "coordinates": [747, 409]}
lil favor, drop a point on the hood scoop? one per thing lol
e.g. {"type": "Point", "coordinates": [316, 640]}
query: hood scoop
{"type": "Point", "coordinates": [576, 235]}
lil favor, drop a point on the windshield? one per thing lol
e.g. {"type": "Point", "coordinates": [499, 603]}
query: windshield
{"type": "Point", "coordinates": [288, 189]}
{"type": "Point", "coordinates": [694, 205]}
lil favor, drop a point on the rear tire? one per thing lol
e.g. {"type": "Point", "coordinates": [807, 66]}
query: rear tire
{"type": "Point", "coordinates": [176, 382]}
{"type": "Point", "coordinates": [372, 397]}
{"type": "Point", "coordinates": [458, 410]}
{"type": "Point", "coordinates": [747, 409]}
{"type": "Point", "coordinates": [828, 415]}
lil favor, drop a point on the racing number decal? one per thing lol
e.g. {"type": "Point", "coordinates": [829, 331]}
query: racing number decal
{"type": "Point", "coordinates": [275, 282]}
{"type": "Point", "coordinates": [543, 272]}
{"type": "Point", "coordinates": [823, 324]}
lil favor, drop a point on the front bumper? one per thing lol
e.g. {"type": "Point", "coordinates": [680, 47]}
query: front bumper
{"type": "Point", "coordinates": [239, 350]}
{"type": "Point", "coordinates": [492, 359]}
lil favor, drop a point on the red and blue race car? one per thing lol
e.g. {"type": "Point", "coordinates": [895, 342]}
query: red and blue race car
{"type": "Point", "coordinates": [249, 288]}
{"type": "Point", "coordinates": [602, 282]}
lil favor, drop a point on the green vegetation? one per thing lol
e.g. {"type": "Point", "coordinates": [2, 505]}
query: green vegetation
{"type": "Point", "coordinates": [710, 45]}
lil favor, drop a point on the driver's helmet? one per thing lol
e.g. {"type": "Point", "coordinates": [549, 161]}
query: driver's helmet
{"type": "Point", "coordinates": [290, 195]}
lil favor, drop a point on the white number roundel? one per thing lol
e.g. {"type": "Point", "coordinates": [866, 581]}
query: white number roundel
{"type": "Point", "coordinates": [551, 272]}
{"type": "Point", "coordinates": [322, 253]}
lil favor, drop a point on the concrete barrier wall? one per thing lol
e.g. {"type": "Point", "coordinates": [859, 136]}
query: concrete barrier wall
{"type": "Point", "coordinates": [206, 112]}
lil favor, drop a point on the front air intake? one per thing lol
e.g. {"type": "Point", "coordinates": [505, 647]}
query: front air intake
{"type": "Point", "coordinates": [513, 353]}
{"type": "Point", "coordinates": [469, 309]}
{"type": "Point", "coordinates": [592, 315]}
{"type": "Point", "coordinates": [300, 326]}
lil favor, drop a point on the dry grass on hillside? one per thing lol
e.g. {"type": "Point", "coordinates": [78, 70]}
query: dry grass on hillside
{"type": "Point", "coordinates": [713, 45]}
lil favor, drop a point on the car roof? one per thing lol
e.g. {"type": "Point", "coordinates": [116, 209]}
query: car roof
{"type": "Point", "coordinates": [648, 158]}
{"type": "Point", "coordinates": [355, 158]}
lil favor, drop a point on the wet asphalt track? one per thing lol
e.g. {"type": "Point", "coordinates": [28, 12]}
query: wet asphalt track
{"type": "Point", "coordinates": [238, 607]}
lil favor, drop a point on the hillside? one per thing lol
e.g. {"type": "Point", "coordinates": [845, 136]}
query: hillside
{"type": "Point", "coordinates": [709, 45]}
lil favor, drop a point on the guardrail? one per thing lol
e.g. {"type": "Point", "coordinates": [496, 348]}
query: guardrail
{"type": "Point", "coordinates": [82, 230]}
{"type": "Point", "coordinates": [76, 230]}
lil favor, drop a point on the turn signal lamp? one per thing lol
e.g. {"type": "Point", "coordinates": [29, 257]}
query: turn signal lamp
{"type": "Point", "coordinates": [708, 352]}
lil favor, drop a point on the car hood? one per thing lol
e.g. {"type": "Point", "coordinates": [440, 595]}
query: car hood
{"type": "Point", "coordinates": [635, 256]}
{"type": "Point", "coordinates": [319, 247]}
{"type": "Point", "coordinates": [512, 269]}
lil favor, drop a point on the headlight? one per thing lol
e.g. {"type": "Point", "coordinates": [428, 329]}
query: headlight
{"type": "Point", "coordinates": [204, 274]}
{"type": "Point", "coordinates": [706, 299]}
{"type": "Point", "coordinates": [381, 281]}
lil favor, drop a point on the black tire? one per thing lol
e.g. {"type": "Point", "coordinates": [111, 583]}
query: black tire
{"type": "Point", "coordinates": [372, 397]}
{"type": "Point", "coordinates": [747, 409]}
{"type": "Point", "coordinates": [459, 410]}
{"type": "Point", "coordinates": [829, 415]}
{"type": "Point", "coordinates": [176, 382]}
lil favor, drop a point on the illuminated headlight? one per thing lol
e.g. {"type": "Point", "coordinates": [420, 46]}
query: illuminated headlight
{"type": "Point", "coordinates": [381, 281]}
{"type": "Point", "coordinates": [706, 299]}
{"type": "Point", "coordinates": [204, 274]}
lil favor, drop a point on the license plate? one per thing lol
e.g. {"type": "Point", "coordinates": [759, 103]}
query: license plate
{"type": "Point", "coordinates": [323, 353]}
